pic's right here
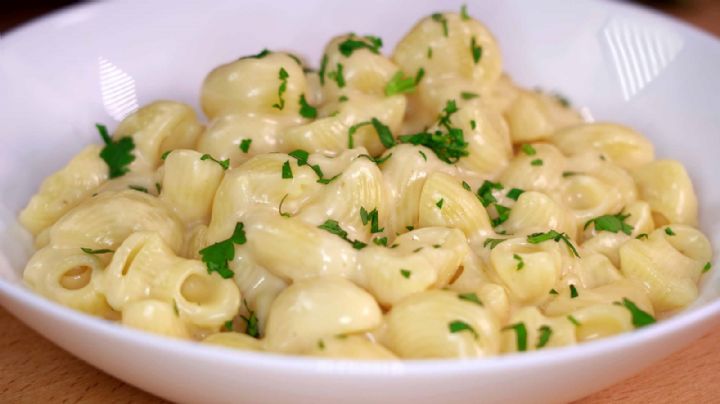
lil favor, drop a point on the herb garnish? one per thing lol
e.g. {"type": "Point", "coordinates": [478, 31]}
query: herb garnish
{"type": "Point", "coordinates": [611, 223]}
{"type": "Point", "coordinates": [459, 325]}
{"type": "Point", "coordinates": [514, 193]}
{"type": "Point", "coordinates": [573, 291]}
{"type": "Point", "coordinates": [251, 322]}
{"type": "Point", "coordinates": [544, 333]}
{"type": "Point", "coordinates": [470, 297]}
{"type": "Point", "coordinates": [283, 76]}
{"type": "Point", "coordinates": [245, 145]}
{"type": "Point", "coordinates": [338, 76]}
{"type": "Point", "coordinates": [439, 18]}
{"type": "Point", "coordinates": [449, 146]}
{"type": "Point", "coordinates": [537, 238]}
{"type": "Point", "coordinates": [117, 155]}
{"type": "Point", "coordinates": [94, 252]}
{"type": "Point", "coordinates": [528, 149]}
{"type": "Point", "coordinates": [225, 164]}
{"type": "Point", "coordinates": [520, 263]}
{"type": "Point", "coordinates": [372, 218]}
{"type": "Point", "coordinates": [485, 192]}
{"type": "Point", "coordinates": [307, 110]}
{"type": "Point", "coordinates": [400, 84]}
{"type": "Point", "coordinates": [406, 273]}
{"type": "Point", "coordinates": [332, 226]}
{"type": "Point", "coordinates": [520, 335]}
{"type": "Point", "coordinates": [476, 50]}
{"type": "Point", "coordinates": [217, 256]}
{"type": "Point", "coordinates": [350, 45]}
{"type": "Point", "coordinates": [640, 318]}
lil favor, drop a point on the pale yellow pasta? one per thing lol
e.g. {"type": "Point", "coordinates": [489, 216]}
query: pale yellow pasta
{"type": "Point", "coordinates": [407, 203]}
{"type": "Point", "coordinates": [318, 308]}
{"type": "Point", "coordinates": [444, 202]}
{"type": "Point", "coordinates": [233, 340]}
{"type": "Point", "coordinates": [189, 184]}
{"type": "Point", "coordinates": [106, 220]}
{"type": "Point", "coordinates": [668, 264]}
{"type": "Point", "coordinates": [157, 128]}
{"type": "Point", "coordinates": [67, 275]}
{"type": "Point", "coordinates": [528, 270]}
{"type": "Point", "coordinates": [534, 116]}
{"type": "Point", "coordinates": [227, 88]}
{"type": "Point", "coordinates": [438, 324]}
{"type": "Point", "coordinates": [350, 347]}
{"type": "Point", "coordinates": [619, 144]}
{"type": "Point", "coordinates": [154, 316]}
{"type": "Point", "coordinates": [64, 189]}
{"type": "Point", "coordinates": [666, 186]}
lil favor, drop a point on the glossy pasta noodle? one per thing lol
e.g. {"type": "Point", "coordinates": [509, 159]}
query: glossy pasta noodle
{"type": "Point", "coordinates": [417, 205]}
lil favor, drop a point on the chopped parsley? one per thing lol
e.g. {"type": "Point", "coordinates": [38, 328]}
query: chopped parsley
{"type": "Point", "coordinates": [669, 231]}
{"type": "Point", "coordinates": [537, 238]}
{"type": "Point", "coordinates": [283, 76]}
{"type": "Point", "coordinates": [376, 160]}
{"type": "Point", "coordinates": [473, 124]}
{"type": "Point", "coordinates": [459, 326]}
{"type": "Point", "coordinates": [574, 321]}
{"type": "Point", "coordinates": [520, 263]}
{"type": "Point", "coordinates": [175, 309]}
{"type": "Point", "coordinates": [225, 164]}
{"type": "Point", "coordinates": [503, 215]}
{"type": "Point", "coordinates": [544, 333]}
{"type": "Point", "coordinates": [380, 241]}
{"type": "Point", "coordinates": [707, 267]}
{"type": "Point", "coordinates": [463, 12]}
{"type": "Point", "coordinates": [386, 137]}
{"type": "Point", "coordinates": [94, 252]}
{"type": "Point", "coordinates": [485, 192]}
{"type": "Point", "coordinates": [338, 76]}
{"type": "Point", "coordinates": [343, 98]}
{"type": "Point", "coordinates": [466, 95]}
{"type": "Point", "coordinates": [562, 100]}
{"type": "Point", "coordinates": [332, 226]}
{"type": "Point", "coordinates": [520, 335]}
{"type": "Point", "coordinates": [307, 110]}
{"type": "Point", "coordinates": [476, 50]}
{"type": "Point", "coordinates": [117, 155]}
{"type": "Point", "coordinates": [493, 242]}
{"type": "Point", "coordinates": [410, 228]}
{"type": "Point", "coordinates": [466, 186]}
{"type": "Point", "coordinates": [470, 297]}
{"type": "Point", "coordinates": [323, 67]}
{"type": "Point", "coordinates": [422, 154]}
{"type": "Point", "coordinates": [158, 187]}
{"type": "Point", "coordinates": [611, 223]}
{"type": "Point", "coordinates": [429, 52]}
{"type": "Point", "coordinates": [406, 273]}
{"type": "Point", "coordinates": [286, 170]}
{"type": "Point", "coordinates": [440, 203]}
{"type": "Point", "coordinates": [165, 155]}
{"type": "Point", "coordinates": [217, 256]}
{"type": "Point", "coordinates": [280, 211]}
{"type": "Point", "coordinates": [245, 145]}
{"type": "Point", "coordinates": [400, 84]}
{"type": "Point", "coordinates": [350, 45]}
{"type": "Point", "coordinates": [640, 318]}
{"type": "Point", "coordinates": [554, 292]}
{"type": "Point", "coordinates": [514, 193]}
{"type": "Point", "coordinates": [450, 145]}
{"type": "Point", "coordinates": [138, 188]}
{"type": "Point", "coordinates": [439, 18]}
{"type": "Point", "coordinates": [372, 218]}
{"type": "Point", "coordinates": [259, 55]}
{"type": "Point", "coordinates": [642, 236]}
{"type": "Point", "coordinates": [352, 130]}
{"type": "Point", "coordinates": [228, 325]}
{"type": "Point", "coordinates": [251, 322]}
{"type": "Point", "coordinates": [528, 149]}
{"type": "Point", "coordinates": [536, 162]}
{"type": "Point", "coordinates": [321, 344]}
{"type": "Point", "coordinates": [573, 291]}
{"type": "Point", "coordinates": [566, 174]}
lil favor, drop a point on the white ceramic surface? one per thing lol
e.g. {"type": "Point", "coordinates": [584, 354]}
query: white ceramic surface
{"type": "Point", "coordinates": [95, 63]}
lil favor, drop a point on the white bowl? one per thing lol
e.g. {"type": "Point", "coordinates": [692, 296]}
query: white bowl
{"type": "Point", "coordinates": [94, 63]}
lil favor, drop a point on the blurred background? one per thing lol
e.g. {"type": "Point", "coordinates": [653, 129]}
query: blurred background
{"type": "Point", "coordinates": [704, 14]}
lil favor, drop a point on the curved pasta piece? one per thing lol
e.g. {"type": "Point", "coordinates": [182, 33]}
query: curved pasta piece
{"type": "Point", "coordinates": [259, 183]}
{"type": "Point", "coordinates": [189, 184]}
{"type": "Point", "coordinates": [144, 267]}
{"type": "Point", "coordinates": [564, 303]}
{"type": "Point", "coordinates": [317, 308]}
{"type": "Point", "coordinates": [252, 85]}
{"type": "Point", "coordinates": [64, 189]}
{"type": "Point", "coordinates": [668, 266]}
{"type": "Point", "coordinates": [489, 148]}
{"type": "Point", "coordinates": [444, 202]}
{"type": "Point", "coordinates": [423, 258]}
{"type": "Point", "coordinates": [540, 171]}
{"type": "Point", "coordinates": [234, 340]}
{"type": "Point", "coordinates": [621, 145]}
{"type": "Point", "coordinates": [359, 187]}
{"type": "Point", "coordinates": [501, 95]}
{"type": "Point", "coordinates": [314, 252]}
{"type": "Point", "coordinates": [354, 347]}
{"type": "Point", "coordinates": [666, 186]}
{"type": "Point", "coordinates": [592, 270]}
{"type": "Point", "coordinates": [528, 270]}
{"type": "Point", "coordinates": [67, 276]}
{"type": "Point", "coordinates": [438, 324]}
{"type": "Point", "coordinates": [558, 331]}
{"type": "Point", "coordinates": [534, 116]}
{"type": "Point", "coordinates": [106, 220]}
{"type": "Point", "coordinates": [331, 134]}
{"type": "Point", "coordinates": [157, 128]}
{"type": "Point", "coordinates": [537, 211]}
{"type": "Point", "coordinates": [601, 320]}
{"type": "Point", "coordinates": [156, 317]}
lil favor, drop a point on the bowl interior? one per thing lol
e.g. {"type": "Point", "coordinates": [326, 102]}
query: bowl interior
{"type": "Point", "coordinates": [98, 62]}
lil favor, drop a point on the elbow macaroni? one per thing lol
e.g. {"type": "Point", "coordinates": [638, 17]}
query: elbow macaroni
{"type": "Point", "coordinates": [421, 205]}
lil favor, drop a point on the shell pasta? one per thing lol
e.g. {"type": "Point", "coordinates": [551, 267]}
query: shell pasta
{"type": "Point", "coordinates": [380, 207]}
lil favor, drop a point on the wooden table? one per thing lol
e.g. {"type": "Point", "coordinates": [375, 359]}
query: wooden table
{"type": "Point", "coordinates": [33, 370]}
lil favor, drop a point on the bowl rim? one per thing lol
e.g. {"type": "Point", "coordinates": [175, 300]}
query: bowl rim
{"type": "Point", "coordinates": [361, 368]}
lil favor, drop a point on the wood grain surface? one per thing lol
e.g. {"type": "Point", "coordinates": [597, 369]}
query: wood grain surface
{"type": "Point", "coordinates": [33, 370]}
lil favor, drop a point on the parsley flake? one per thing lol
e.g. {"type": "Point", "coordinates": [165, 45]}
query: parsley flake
{"type": "Point", "coordinates": [544, 333]}
{"type": "Point", "coordinates": [463, 12]}
{"type": "Point", "coordinates": [520, 263]}
{"type": "Point", "coordinates": [528, 149]}
{"type": "Point", "coordinates": [282, 201]}
{"type": "Point", "coordinates": [574, 321]}
{"type": "Point", "coordinates": [459, 326]}
{"type": "Point", "coordinates": [95, 252]}
{"type": "Point", "coordinates": [485, 192]}
{"type": "Point", "coordinates": [554, 292]}
{"type": "Point", "coordinates": [323, 67]}
{"type": "Point", "coordinates": [640, 318]}
{"type": "Point", "coordinates": [352, 130]}
{"type": "Point", "coordinates": [573, 292]}
{"type": "Point", "coordinates": [470, 297]}
{"type": "Point", "coordinates": [466, 95]}
{"type": "Point", "coordinates": [286, 170]}
{"type": "Point", "coordinates": [217, 256]}
{"type": "Point", "coordinates": [307, 110]}
{"type": "Point", "coordinates": [466, 186]}
{"type": "Point", "coordinates": [669, 231]}
{"type": "Point", "coordinates": [386, 137]}
{"type": "Point", "coordinates": [406, 273]}
{"type": "Point", "coordinates": [566, 174]}
{"type": "Point", "coordinates": [707, 267]}
{"type": "Point", "coordinates": [283, 76]}
{"type": "Point", "coordinates": [503, 215]}
{"type": "Point", "coordinates": [514, 193]}
{"type": "Point", "coordinates": [372, 218]}
{"type": "Point", "coordinates": [611, 223]}
{"type": "Point", "coordinates": [642, 236]}
{"type": "Point", "coordinates": [448, 145]}
{"type": "Point", "coordinates": [252, 326]}
{"type": "Point", "coordinates": [439, 18]}
{"type": "Point", "coordinates": [338, 75]}
{"type": "Point", "coordinates": [520, 335]}
{"type": "Point", "coordinates": [228, 325]}
{"type": "Point", "coordinates": [476, 50]}
{"type": "Point", "coordinates": [225, 164]}
{"type": "Point", "coordinates": [440, 203]}
{"type": "Point", "coordinates": [138, 188]}
{"type": "Point", "coordinates": [536, 238]}
{"type": "Point", "coordinates": [245, 145]}
{"type": "Point", "coordinates": [350, 45]}
{"type": "Point", "coordinates": [117, 155]}
{"type": "Point", "coordinates": [536, 162]}
{"type": "Point", "coordinates": [332, 226]}
{"type": "Point", "coordinates": [381, 241]}
{"type": "Point", "coordinates": [422, 154]}
{"type": "Point", "coordinates": [259, 55]}
{"type": "Point", "coordinates": [400, 84]}
{"type": "Point", "coordinates": [492, 242]}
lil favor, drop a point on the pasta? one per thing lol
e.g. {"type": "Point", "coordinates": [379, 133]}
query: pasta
{"type": "Point", "coordinates": [412, 206]}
